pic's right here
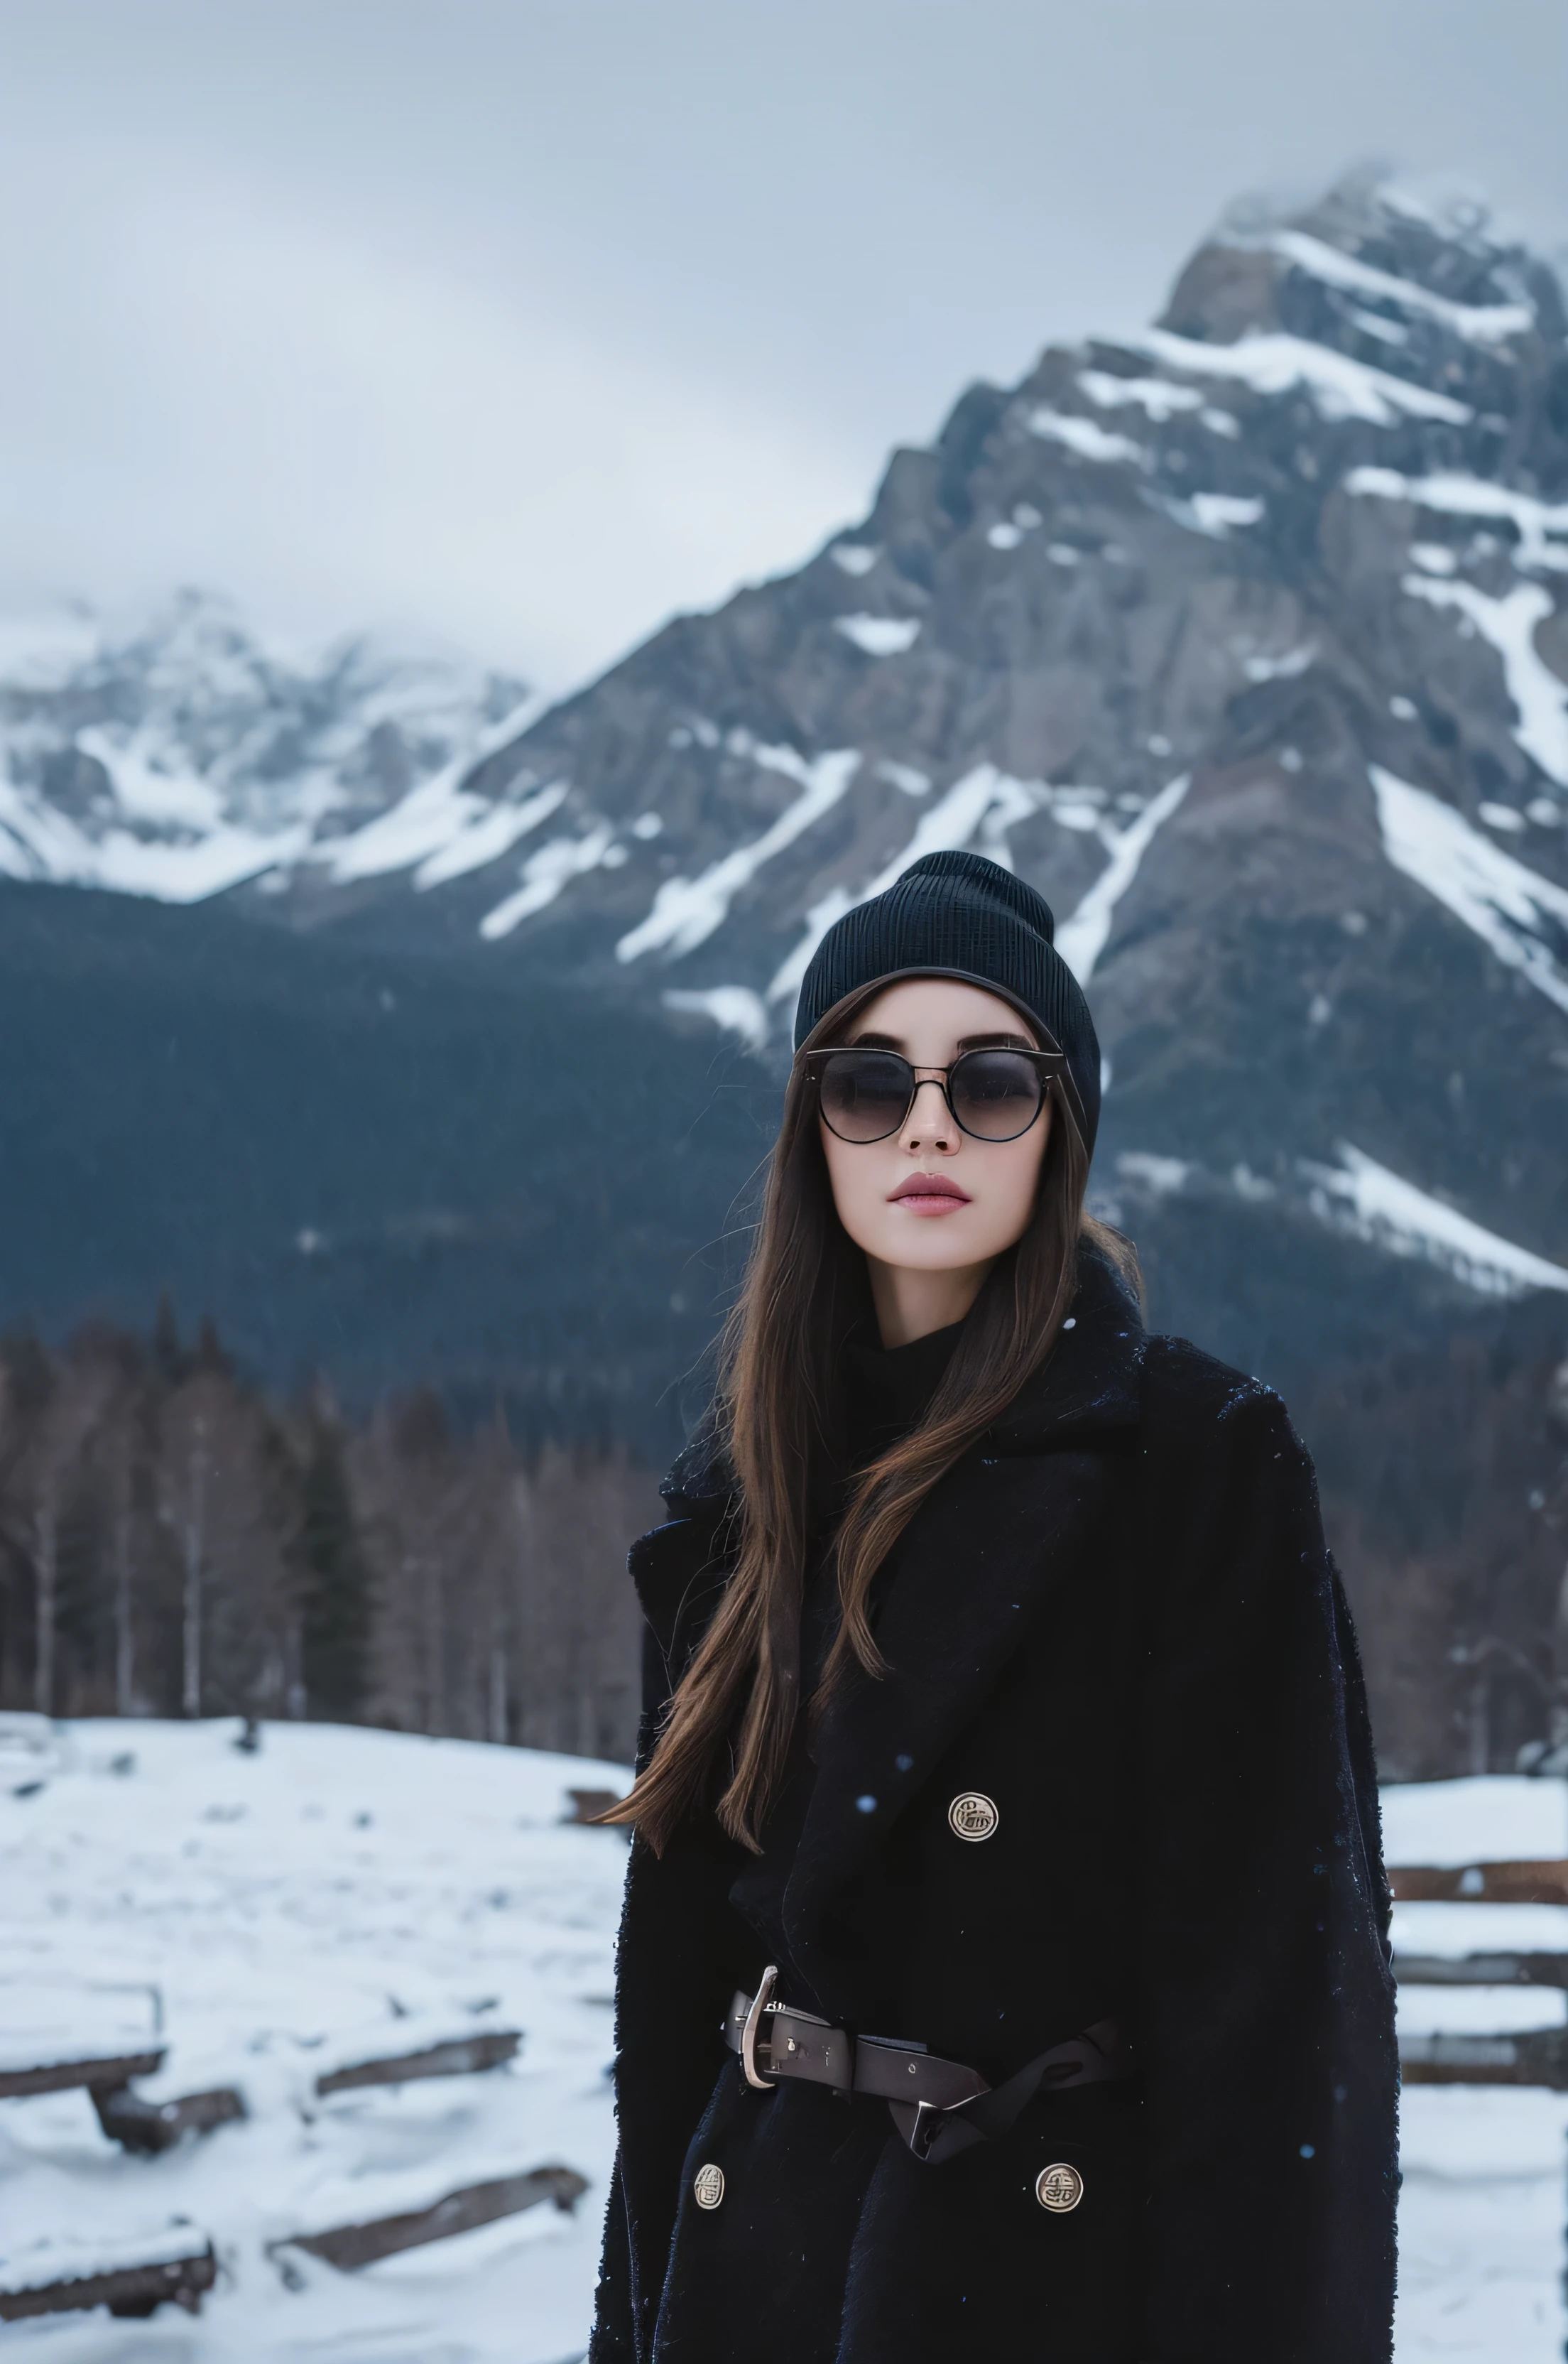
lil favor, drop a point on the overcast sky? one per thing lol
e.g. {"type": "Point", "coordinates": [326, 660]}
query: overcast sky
{"type": "Point", "coordinates": [523, 325]}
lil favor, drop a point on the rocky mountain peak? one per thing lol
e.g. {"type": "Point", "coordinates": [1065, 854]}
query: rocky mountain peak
{"type": "Point", "coordinates": [1243, 639]}
{"type": "Point", "coordinates": [1447, 255]}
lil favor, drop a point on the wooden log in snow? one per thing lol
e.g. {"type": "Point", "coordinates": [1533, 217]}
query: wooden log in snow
{"type": "Point", "coordinates": [110, 2070]}
{"type": "Point", "coordinates": [147, 2127]}
{"type": "Point", "coordinates": [1481, 1969]}
{"type": "Point", "coordinates": [460, 2057]}
{"type": "Point", "coordinates": [1481, 1883]}
{"type": "Point", "coordinates": [349, 2247]}
{"type": "Point", "coordinates": [586, 1803]}
{"type": "Point", "coordinates": [124, 2290]}
{"type": "Point", "coordinates": [1537, 2056]}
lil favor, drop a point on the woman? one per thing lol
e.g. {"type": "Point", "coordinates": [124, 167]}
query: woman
{"type": "Point", "coordinates": [1003, 1970]}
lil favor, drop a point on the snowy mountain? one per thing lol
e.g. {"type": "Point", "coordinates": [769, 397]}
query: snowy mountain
{"type": "Point", "coordinates": [1245, 640]}
{"type": "Point", "coordinates": [179, 757]}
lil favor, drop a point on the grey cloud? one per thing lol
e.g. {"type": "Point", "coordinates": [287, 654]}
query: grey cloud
{"type": "Point", "coordinates": [526, 324]}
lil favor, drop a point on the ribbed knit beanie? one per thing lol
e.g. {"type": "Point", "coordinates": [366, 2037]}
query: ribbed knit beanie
{"type": "Point", "coordinates": [958, 915]}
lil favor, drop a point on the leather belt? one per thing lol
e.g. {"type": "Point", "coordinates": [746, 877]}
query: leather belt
{"type": "Point", "coordinates": [939, 2106]}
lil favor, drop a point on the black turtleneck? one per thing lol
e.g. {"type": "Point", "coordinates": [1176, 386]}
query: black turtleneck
{"type": "Point", "coordinates": [885, 1392]}
{"type": "Point", "coordinates": [886, 1388]}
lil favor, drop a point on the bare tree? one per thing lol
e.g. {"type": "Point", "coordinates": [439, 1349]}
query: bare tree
{"type": "Point", "coordinates": [49, 1412]}
{"type": "Point", "coordinates": [170, 1539]}
{"type": "Point", "coordinates": [125, 1627]}
{"type": "Point", "coordinates": [192, 1535]}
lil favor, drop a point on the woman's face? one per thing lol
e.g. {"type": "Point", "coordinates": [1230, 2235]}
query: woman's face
{"type": "Point", "coordinates": [983, 1192]}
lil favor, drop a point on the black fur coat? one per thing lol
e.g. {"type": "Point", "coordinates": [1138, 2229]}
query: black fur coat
{"type": "Point", "coordinates": [1117, 1619]}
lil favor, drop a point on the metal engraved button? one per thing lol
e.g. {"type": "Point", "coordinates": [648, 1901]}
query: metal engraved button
{"type": "Point", "coordinates": [1058, 2188]}
{"type": "Point", "coordinates": [972, 1816]}
{"type": "Point", "coordinates": [707, 2187]}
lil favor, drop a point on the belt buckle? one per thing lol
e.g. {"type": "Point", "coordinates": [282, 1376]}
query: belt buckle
{"type": "Point", "coordinates": [760, 2000]}
{"type": "Point", "coordinates": [930, 2121]}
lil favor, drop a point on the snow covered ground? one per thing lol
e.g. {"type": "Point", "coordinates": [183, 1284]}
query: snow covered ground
{"type": "Point", "coordinates": [276, 1905]}
{"type": "Point", "coordinates": [1486, 2197]}
{"type": "Point", "coordinates": [281, 1911]}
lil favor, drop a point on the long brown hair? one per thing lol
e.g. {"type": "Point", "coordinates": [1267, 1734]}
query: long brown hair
{"type": "Point", "coordinates": [777, 1410]}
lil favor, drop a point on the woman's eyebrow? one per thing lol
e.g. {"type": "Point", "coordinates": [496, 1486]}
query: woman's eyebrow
{"type": "Point", "coordinates": [964, 1042]}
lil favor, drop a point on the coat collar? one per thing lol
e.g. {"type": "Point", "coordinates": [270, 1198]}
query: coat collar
{"type": "Point", "coordinates": [1091, 1379]}
{"type": "Point", "coordinates": [987, 1547]}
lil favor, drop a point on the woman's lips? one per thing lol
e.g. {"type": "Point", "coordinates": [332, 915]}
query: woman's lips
{"type": "Point", "coordinates": [929, 1194]}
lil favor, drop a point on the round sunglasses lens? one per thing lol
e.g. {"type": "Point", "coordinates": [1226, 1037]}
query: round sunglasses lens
{"type": "Point", "coordinates": [864, 1093]}
{"type": "Point", "coordinates": [995, 1094]}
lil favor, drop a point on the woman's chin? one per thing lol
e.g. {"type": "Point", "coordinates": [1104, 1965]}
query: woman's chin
{"type": "Point", "coordinates": [922, 1246]}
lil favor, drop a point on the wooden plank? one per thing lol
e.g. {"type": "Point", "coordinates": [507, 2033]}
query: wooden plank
{"type": "Point", "coordinates": [126, 2290]}
{"type": "Point", "coordinates": [1539, 2056]}
{"type": "Point", "coordinates": [461, 2057]}
{"type": "Point", "coordinates": [1481, 1969]}
{"type": "Point", "coordinates": [1481, 1883]}
{"type": "Point", "coordinates": [349, 2247]}
{"type": "Point", "coordinates": [586, 1803]}
{"type": "Point", "coordinates": [147, 2127]}
{"type": "Point", "coordinates": [60, 2076]}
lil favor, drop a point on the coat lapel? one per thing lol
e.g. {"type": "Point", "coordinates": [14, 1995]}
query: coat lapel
{"type": "Point", "coordinates": [983, 1553]}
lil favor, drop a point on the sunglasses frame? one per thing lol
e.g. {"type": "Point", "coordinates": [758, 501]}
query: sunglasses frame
{"type": "Point", "coordinates": [1049, 1065]}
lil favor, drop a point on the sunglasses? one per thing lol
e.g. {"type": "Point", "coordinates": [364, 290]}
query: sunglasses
{"type": "Point", "coordinates": [993, 1095]}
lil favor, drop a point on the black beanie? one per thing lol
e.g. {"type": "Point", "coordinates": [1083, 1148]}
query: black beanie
{"type": "Point", "coordinates": [958, 915]}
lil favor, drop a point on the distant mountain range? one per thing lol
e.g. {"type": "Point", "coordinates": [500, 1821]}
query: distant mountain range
{"type": "Point", "coordinates": [179, 758]}
{"type": "Point", "coordinates": [1244, 641]}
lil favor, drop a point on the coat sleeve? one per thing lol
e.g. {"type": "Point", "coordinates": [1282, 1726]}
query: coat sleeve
{"type": "Point", "coordinates": [682, 1951]}
{"type": "Point", "coordinates": [614, 2339]}
{"type": "Point", "coordinates": [1265, 2018]}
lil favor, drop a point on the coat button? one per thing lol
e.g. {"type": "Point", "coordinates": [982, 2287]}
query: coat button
{"type": "Point", "coordinates": [1058, 2188]}
{"type": "Point", "coordinates": [972, 1816]}
{"type": "Point", "coordinates": [707, 2187]}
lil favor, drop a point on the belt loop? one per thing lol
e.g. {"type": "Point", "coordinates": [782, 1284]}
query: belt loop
{"type": "Point", "coordinates": [765, 1986]}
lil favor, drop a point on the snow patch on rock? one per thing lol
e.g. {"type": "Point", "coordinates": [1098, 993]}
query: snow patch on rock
{"type": "Point", "coordinates": [880, 636]}
{"type": "Point", "coordinates": [544, 874]}
{"type": "Point", "coordinates": [1450, 494]}
{"type": "Point", "coordinates": [1269, 362]}
{"type": "Point", "coordinates": [1506, 904]}
{"type": "Point", "coordinates": [1482, 323]}
{"type": "Point", "coordinates": [1083, 438]}
{"type": "Point", "coordinates": [734, 1010]}
{"type": "Point", "coordinates": [1083, 938]}
{"type": "Point", "coordinates": [1214, 513]}
{"type": "Point", "coordinates": [1157, 397]}
{"type": "Point", "coordinates": [1369, 1202]}
{"type": "Point", "coordinates": [1163, 1176]}
{"type": "Point", "coordinates": [491, 833]}
{"type": "Point", "coordinates": [1539, 699]}
{"type": "Point", "coordinates": [686, 912]}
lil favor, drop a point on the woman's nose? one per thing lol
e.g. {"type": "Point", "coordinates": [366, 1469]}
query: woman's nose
{"type": "Point", "coordinates": [929, 1127]}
